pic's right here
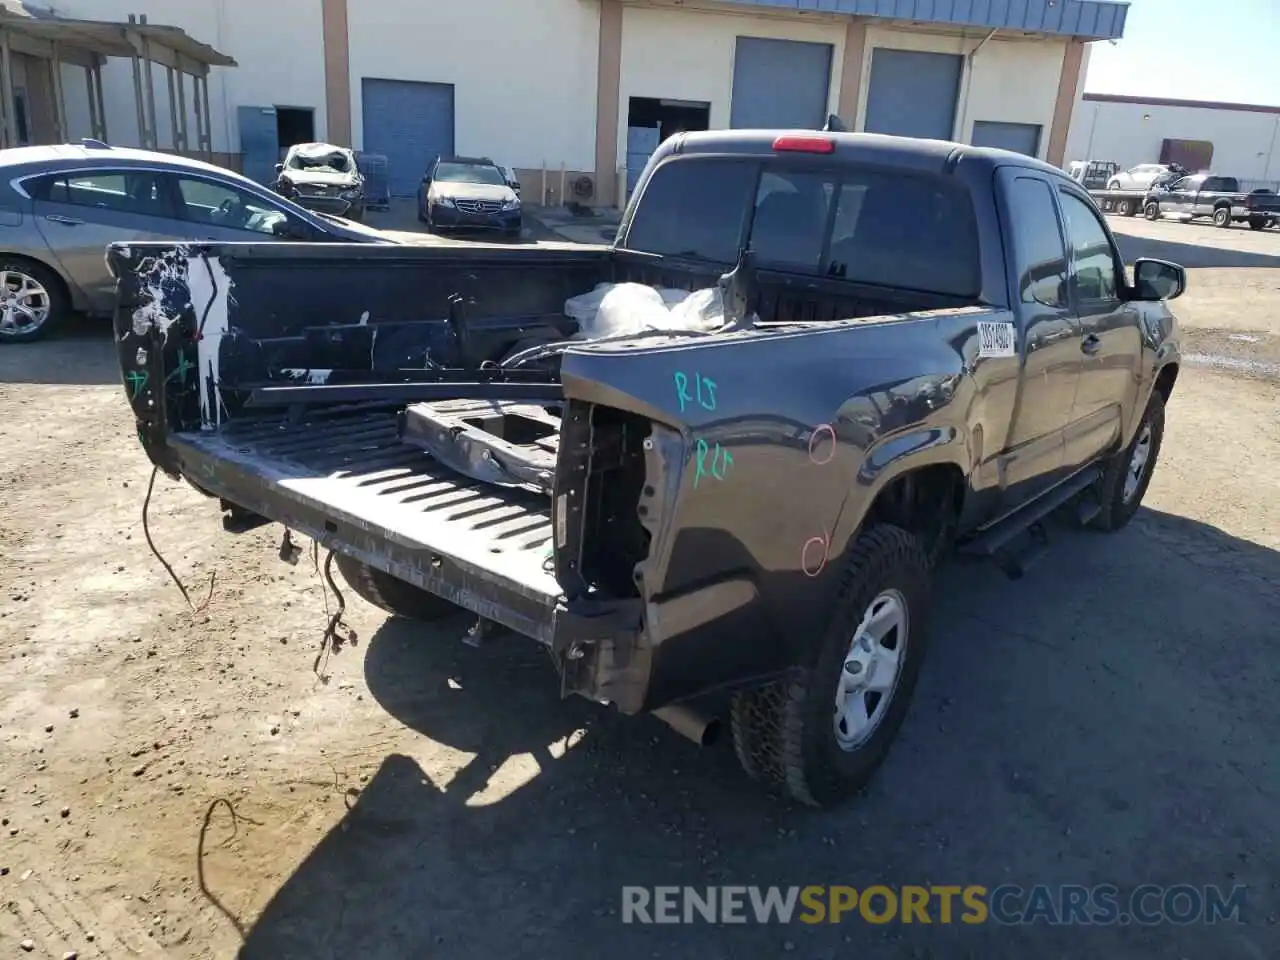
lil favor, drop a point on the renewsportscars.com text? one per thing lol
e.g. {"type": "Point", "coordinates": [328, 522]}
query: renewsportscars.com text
{"type": "Point", "coordinates": [1066, 905]}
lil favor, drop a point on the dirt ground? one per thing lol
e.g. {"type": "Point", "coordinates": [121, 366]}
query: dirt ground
{"type": "Point", "coordinates": [178, 784]}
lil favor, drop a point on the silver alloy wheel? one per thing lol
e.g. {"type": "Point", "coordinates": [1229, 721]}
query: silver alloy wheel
{"type": "Point", "coordinates": [871, 670]}
{"type": "Point", "coordinates": [24, 303]}
{"type": "Point", "coordinates": [1138, 461]}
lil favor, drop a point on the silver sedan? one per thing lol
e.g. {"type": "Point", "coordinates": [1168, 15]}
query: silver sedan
{"type": "Point", "coordinates": [61, 205]}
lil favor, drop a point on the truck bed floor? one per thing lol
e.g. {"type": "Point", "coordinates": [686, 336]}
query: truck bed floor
{"type": "Point", "coordinates": [346, 480]}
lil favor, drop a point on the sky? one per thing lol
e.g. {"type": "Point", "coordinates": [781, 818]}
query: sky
{"type": "Point", "coordinates": [1193, 50]}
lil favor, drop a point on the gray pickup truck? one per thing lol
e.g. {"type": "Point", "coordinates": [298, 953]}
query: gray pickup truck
{"type": "Point", "coordinates": [920, 346]}
{"type": "Point", "coordinates": [1219, 198]}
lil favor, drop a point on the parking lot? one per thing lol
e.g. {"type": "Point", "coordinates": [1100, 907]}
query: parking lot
{"type": "Point", "coordinates": [182, 784]}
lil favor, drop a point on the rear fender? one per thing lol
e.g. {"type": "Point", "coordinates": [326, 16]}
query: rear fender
{"type": "Point", "coordinates": [891, 458]}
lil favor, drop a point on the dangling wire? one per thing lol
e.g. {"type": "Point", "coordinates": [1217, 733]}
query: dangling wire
{"type": "Point", "coordinates": [146, 532]}
{"type": "Point", "coordinates": [336, 631]}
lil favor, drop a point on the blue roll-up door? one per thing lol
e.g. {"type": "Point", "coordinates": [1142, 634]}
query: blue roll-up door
{"type": "Point", "coordinates": [913, 94]}
{"type": "Point", "coordinates": [1018, 137]}
{"type": "Point", "coordinates": [410, 123]}
{"type": "Point", "coordinates": [780, 83]}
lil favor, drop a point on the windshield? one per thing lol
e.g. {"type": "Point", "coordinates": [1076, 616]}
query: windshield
{"type": "Point", "coordinates": [470, 173]}
{"type": "Point", "coordinates": [335, 161]}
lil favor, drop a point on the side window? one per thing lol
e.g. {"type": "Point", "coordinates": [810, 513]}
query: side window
{"type": "Point", "coordinates": [120, 192]}
{"type": "Point", "coordinates": [223, 205]}
{"type": "Point", "coordinates": [1093, 260]}
{"type": "Point", "coordinates": [1038, 246]}
{"type": "Point", "coordinates": [694, 208]}
{"type": "Point", "coordinates": [790, 222]}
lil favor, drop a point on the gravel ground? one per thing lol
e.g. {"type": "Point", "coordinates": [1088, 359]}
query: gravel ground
{"type": "Point", "coordinates": [1111, 718]}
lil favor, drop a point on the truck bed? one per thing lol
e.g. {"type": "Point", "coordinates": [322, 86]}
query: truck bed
{"type": "Point", "coordinates": [345, 477]}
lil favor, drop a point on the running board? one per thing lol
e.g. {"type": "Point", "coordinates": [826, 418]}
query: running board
{"type": "Point", "coordinates": [999, 541]}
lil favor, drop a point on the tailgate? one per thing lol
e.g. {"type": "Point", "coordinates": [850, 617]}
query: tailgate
{"type": "Point", "coordinates": [347, 481]}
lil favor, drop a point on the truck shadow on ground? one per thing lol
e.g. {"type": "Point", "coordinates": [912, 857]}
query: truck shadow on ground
{"type": "Point", "coordinates": [1190, 255]}
{"type": "Point", "coordinates": [82, 352]}
{"type": "Point", "coordinates": [1105, 720]}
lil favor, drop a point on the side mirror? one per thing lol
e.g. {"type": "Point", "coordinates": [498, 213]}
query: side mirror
{"type": "Point", "coordinates": [1158, 280]}
{"type": "Point", "coordinates": [279, 168]}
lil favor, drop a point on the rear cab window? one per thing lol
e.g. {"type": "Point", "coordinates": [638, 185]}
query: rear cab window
{"type": "Point", "coordinates": [869, 225]}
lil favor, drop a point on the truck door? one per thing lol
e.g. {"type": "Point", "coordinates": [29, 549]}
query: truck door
{"type": "Point", "coordinates": [1178, 199]}
{"type": "Point", "coordinates": [1032, 456]}
{"type": "Point", "coordinates": [1110, 338]}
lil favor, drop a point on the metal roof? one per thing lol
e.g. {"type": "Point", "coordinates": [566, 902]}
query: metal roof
{"type": "Point", "coordinates": [110, 38]}
{"type": "Point", "coordinates": [1089, 19]}
{"type": "Point", "coordinates": [1171, 102]}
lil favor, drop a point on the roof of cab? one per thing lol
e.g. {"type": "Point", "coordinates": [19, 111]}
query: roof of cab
{"type": "Point", "coordinates": [879, 148]}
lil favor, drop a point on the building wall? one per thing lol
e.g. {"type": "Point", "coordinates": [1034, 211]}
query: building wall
{"type": "Point", "coordinates": [1012, 81]}
{"type": "Point", "coordinates": [277, 44]}
{"type": "Point", "coordinates": [688, 55]}
{"type": "Point", "coordinates": [1246, 144]}
{"type": "Point", "coordinates": [524, 71]}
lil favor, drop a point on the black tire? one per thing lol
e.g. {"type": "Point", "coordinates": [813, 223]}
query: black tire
{"type": "Point", "coordinates": [1117, 509]}
{"type": "Point", "coordinates": [1113, 185]}
{"type": "Point", "coordinates": [784, 733]}
{"type": "Point", "coordinates": [1257, 223]}
{"type": "Point", "coordinates": [55, 297]}
{"type": "Point", "coordinates": [1222, 217]}
{"type": "Point", "coordinates": [1151, 210]}
{"type": "Point", "coordinates": [392, 594]}
{"type": "Point", "coordinates": [1125, 208]}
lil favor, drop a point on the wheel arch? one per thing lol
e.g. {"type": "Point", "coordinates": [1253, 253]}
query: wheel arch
{"type": "Point", "coordinates": [1165, 379]}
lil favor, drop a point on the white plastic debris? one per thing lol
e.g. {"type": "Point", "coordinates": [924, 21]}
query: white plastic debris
{"type": "Point", "coordinates": [620, 309]}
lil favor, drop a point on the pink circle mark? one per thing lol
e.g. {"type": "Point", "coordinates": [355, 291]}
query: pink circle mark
{"type": "Point", "coordinates": [806, 556]}
{"type": "Point", "coordinates": [822, 430]}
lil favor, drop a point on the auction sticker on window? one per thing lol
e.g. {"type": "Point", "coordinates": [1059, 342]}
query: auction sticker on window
{"type": "Point", "coordinates": [995, 339]}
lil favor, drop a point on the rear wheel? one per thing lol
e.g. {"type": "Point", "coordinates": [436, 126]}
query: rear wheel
{"type": "Point", "coordinates": [392, 594]}
{"type": "Point", "coordinates": [822, 733]}
{"type": "Point", "coordinates": [1222, 217]}
{"type": "Point", "coordinates": [1125, 208]}
{"type": "Point", "coordinates": [1257, 223]}
{"type": "Point", "coordinates": [1152, 210]}
{"type": "Point", "coordinates": [1113, 185]}
{"type": "Point", "coordinates": [33, 301]}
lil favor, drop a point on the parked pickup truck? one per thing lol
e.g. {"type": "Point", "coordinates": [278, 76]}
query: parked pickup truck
{"type": "Point", "coordinates": [918, 345]}
{"type": "Point", "coordinates": [1220, 198]}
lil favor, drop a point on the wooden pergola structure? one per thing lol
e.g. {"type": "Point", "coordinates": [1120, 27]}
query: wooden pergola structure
{"type": "Point", "coordinates": [53, 41]}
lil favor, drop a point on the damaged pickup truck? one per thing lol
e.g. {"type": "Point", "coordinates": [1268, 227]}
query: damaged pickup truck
{"type": "Point", "coordinates": [732, 496]}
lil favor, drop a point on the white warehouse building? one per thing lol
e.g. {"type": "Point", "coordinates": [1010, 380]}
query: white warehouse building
{"type": "Point", "coordinates": [1233, 139]}
{"type": "Point", "coordinates": [591, 86]}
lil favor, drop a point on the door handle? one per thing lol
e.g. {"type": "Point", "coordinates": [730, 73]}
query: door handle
{"type": "Point", "coordinates": [1091, 344]}
{"type": "Point", "coordinates": [58, 218]}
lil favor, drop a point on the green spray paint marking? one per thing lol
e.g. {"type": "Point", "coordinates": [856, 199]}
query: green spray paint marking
{"type": "Point", "coordinates": [138, 380]}
{"type": "Point", "coordinates": [704, 391]}
{"type": "Point", "coordinates": [182, 369]}
{"type": "Point", "coordinates": [721, 461]}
